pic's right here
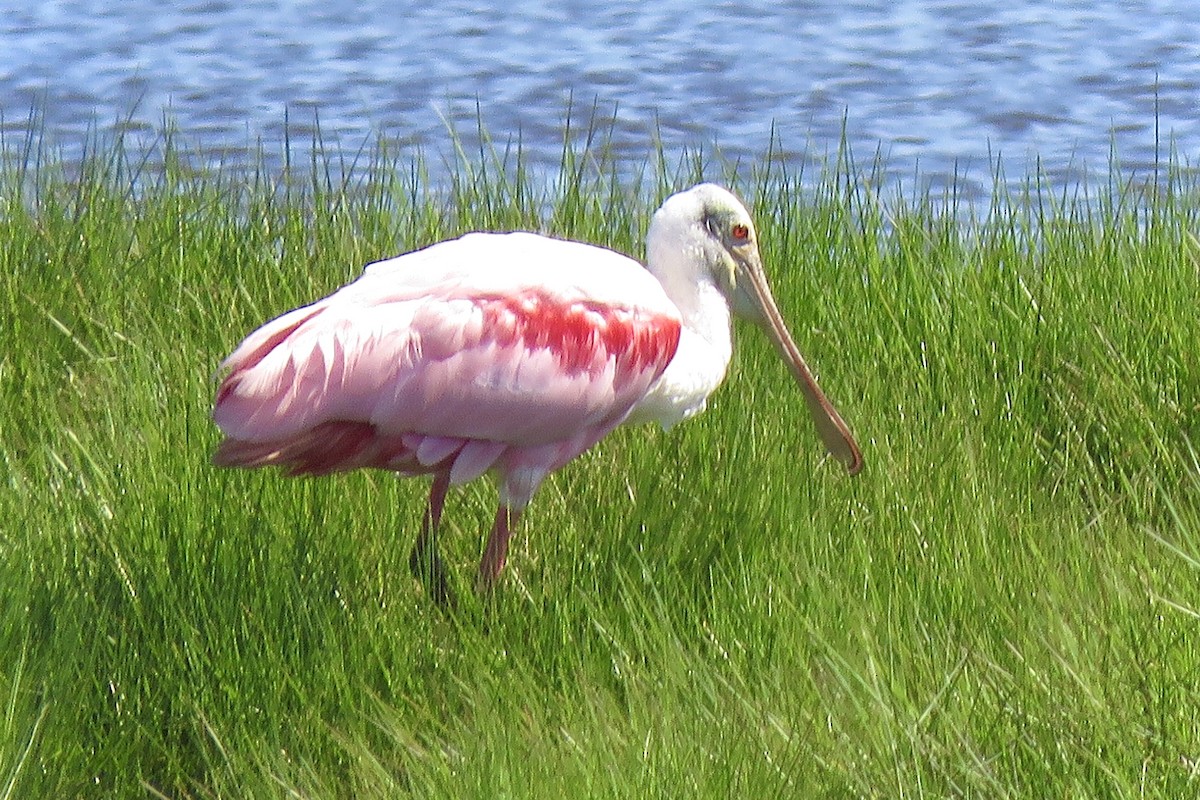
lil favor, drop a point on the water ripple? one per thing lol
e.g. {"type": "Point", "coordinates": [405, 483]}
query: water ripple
{"type": "Point", "coordinates": [939, 83]}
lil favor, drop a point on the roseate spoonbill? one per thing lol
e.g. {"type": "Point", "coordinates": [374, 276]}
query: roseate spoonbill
{"type": "Point", "coordinates": [510, 353]}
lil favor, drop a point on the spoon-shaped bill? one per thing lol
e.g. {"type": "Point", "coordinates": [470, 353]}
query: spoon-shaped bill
{"type": "Point", "coordinates": [830, 426]}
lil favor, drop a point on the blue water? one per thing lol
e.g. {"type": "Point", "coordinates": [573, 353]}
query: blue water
{"type": "Point", "coordinates": [936, 86]}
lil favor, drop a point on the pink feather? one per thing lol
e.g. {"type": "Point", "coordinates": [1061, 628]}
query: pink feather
{"type": "Point", "coordinates": [442, 359]}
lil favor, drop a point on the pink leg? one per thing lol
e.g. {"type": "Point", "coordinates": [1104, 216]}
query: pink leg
{"type": "Point", "coordinates": [496, 551]}
{"type": "Point", "coordinates": [425, 561]}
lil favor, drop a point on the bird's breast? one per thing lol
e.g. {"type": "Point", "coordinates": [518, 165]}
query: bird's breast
{"type": "Point", "coordinates": [698, 367]}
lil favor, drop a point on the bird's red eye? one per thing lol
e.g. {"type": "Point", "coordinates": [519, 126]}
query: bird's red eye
{"type": "Point", "coordinates": [740, 232]}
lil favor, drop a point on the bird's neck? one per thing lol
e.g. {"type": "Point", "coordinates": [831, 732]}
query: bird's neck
{"type": "Point", "coordinates": [680, 271]}
{"type": "Point", "coordinates": [675, 256]}
{"type": "Point", "coordinates": [706, 313]}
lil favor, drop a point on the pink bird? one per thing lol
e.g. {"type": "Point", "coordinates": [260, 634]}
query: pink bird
{"type": "Point", "coordinates": [506, 353]}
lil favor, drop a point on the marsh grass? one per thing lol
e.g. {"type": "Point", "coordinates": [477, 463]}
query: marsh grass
{"type": "Point", "coordinates": [1006, 603]}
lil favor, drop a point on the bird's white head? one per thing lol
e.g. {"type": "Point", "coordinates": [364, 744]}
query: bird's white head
{"type": "Point", "coordinates": [704, 235]}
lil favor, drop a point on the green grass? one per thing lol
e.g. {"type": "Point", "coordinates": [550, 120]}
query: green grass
{"type": "Point", "coordinates": [1006, 603]}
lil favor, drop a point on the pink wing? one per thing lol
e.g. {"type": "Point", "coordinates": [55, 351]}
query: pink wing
{"type": "Point", "coordinates": [514, 351]}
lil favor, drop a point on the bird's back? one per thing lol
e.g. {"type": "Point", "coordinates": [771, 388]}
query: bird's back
{"type": "Point", "coordinates": [487, 348]}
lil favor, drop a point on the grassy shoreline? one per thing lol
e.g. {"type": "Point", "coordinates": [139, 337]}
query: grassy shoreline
{"type": "Point", "coordinates": [1005, 603]}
